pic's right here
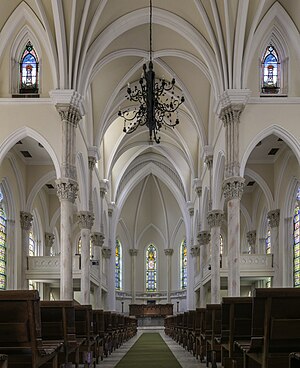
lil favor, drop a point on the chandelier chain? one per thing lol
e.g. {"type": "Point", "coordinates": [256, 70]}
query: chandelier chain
{"type": "Point", "coordinates": [150, 30]}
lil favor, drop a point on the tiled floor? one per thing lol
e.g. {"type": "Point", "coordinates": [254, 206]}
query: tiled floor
{"type": "Point", "coordinates": [185, 358]}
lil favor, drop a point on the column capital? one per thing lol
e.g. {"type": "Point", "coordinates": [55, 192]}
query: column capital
{"type": "Point", "coordinates": [97, 239]}
{"type": "Point", "coordinates": [26, 219]}
{"type": "Point", "coordinates": [215, 218]}
{"type": "Point", "coordinates": [168, 251]}
{"type": "Point", "coordinates": [273, 218]}
{"type": "Point", "coordinates": [190, 208]}
{"type": "Point", "coordinates": [195, 251]}
{"type": "Point", "coordinates": [251, 237]}
{"type": "Point", "coordinates": [133, 252]}
{"type": "Point", "coordinates": [111, 207]}
{"type": "Point", "coordinates": [69, 105]}
{"type": "Point", "coordinates": [231, 103]}
{"type": "Point", "coordinates": [233, 187]}
{"type": "Point", "coordinates": [203, 237]}
{"type": "Point", "coordinates": [197, 184]}
{"type": "Point", "coordinates": [67, 189]}
{"type": "Point", "coordinates": [92, 162]}
{"type": "Point", "coordinates": [49, 239]}
{"type": "Point", "coordinates": [104, 185]}
{"type": "Point", "coordinates": [85, 220]}
{"type": "Point", "coordinates": [106, 252]}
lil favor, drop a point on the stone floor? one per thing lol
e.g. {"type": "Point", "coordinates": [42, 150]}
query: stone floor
{"type": "Point", "coordinates": [185, 358]}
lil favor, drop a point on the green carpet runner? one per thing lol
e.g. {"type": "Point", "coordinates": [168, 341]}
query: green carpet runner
{"type": "Point", "coordinates": [150, 351]}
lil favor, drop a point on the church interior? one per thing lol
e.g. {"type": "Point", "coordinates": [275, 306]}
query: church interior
{"type": "Point", "coordinates": [149, 152]}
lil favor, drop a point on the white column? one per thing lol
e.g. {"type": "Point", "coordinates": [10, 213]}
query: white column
{"type": "Point", "coordinates": [85, 222]}
{"type": "Point", "coordinates": [169, 253]}
{"type": "Point", "coordinates": [26, 223]}
{"type": "Point", "coordinates": [251, 238]}
{"type": "Point", "coordinates": [112, 262]}
{"type": "Point", "coordinates": [110, 281]}
{"type": "Point", "coordinates": [190, 271]}
{"type": "Point", "coordinates": [203, 239]}
{"type": "Point", "coordinates": [195, 252]}
{"type": "Point", "coordinates": [69, 105]}
{"type": "Point", "coordinates": [97, 240]}
{"type": "Point", "coordinates": [215, 219]}
{"type": "Point", "coordinates": [133, 253]}
{"type": "Point", "coordinates": [233, 189]}
{"type": "Point", "coordinates": [67, 192]}
{"type": "Point", "coordinates": [273, 219]}
{"type": "Point", "coordinates": [49, 240]}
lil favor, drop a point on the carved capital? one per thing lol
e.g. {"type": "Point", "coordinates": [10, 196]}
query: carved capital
{"type": "Point", "coordinates": [251, 237]}
{"type": "Point", "coordinates": [203, 237]}
{"type": "Point", "coordinates": [106, 252]}
{"type": "Point", "coordinates": [169, 251]}
{"type": "Point", "coordinates": [49, 239]}
{"type": "Point", "coordinates": [233, 187]}
{"type": "Point", "coordinates": [195, 251]}
{"type": "Point", "coordinates": [26, 220]}
{"type": "Point", "coordinates": [92, 162]}
{"type": "Point", "coordinates": [67, 189]}
{"type": "Point", "coordinates": [208, 160]}
{"type": "Point", "coordinates": [215, 218]}
{"type": "Point", "coordinates": [103, 187]}
{"type": "Point", "coordinates": [97, 239]}
{"type": "Point", "coordinates": [273, 218]}
{"type": "Point", "coordinates": [85, 219]}
{"type": "Point", "coordinates": [197, 184]}
{"type": "Point", "coordinates": [133, 252]}
{"type": "Point", "coordinates": [110, 209]}
{"type": "Point", "coordinates": [231, 114]}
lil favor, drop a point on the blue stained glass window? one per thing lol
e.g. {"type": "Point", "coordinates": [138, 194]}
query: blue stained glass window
{"type": "Point", "coordinates": [29, 70]}
{"type": "Point", "coordinates": [268, 242]}
{"type": "Point", "coordinates": [151, 268]}
{"type": "Point", "coordinates": [118, 271]}
{"type": "Point", "coordinates": [3, 221]}
{"type": "Point", "coordinates": [297, 241]}
{"type": "Point", "coordinates": [183, 264]}
{"type": "Point", "coordinates": [270, 71]}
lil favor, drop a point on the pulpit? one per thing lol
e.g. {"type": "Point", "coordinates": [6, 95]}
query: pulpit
{"type": "Point", "coordinates": [150, 314]}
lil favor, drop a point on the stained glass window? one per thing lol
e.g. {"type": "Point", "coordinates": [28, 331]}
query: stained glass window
{"type": "Point", "coordinates": [29, 70]}
{"type": "Point", "coordinates": [270, 71]}
{"type": "Point", "coordinates": [118, 271]}
{"type": "Point", "coordinates": [221, 245]}
{"type": "Point", "coordinates": [3, 221]}
{"type": "Point", "coordinates": [268, 242]}
{"type": "Point", "coordinates": [79, 246]}
{"type": "Point", "coordinates": [151, 268]}
{"type": "Point", "coordinates": [297, 241]}
{"type": "Point", "coordinates": [31, 244]}
{"type": "Point", "coordinates": [183, 264]}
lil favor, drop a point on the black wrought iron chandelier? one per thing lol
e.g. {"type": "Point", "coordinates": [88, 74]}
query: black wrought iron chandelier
{"type": "Point", "coordinates": [158, 103]}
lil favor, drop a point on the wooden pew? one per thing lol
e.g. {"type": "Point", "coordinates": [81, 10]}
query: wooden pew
{"type": "Point", "coordinates": [58, 323]}
{"type": "Point", "coordinates": [98, 326]}
{"type": "Point", "coordinates": [235, 325]}
{"type": "Point", "coordinates": [294, 360]}
{"type": "Point", "coordinates": [191, 329]}
{"type": "Point", "coordinates": [108, 333]}
{"type": "Point", "coordinates": [200, 347]}
{"type": "Point", "coordinates": [212, 330]}
{"type": "Point", "coordinates": [275, 328]}
{"type": "Point", "coordinates": [84, 330]}
{"type": "Point", "coordinates": [20, 331]}
{"type": "Point", "coordinates": [3, 361]}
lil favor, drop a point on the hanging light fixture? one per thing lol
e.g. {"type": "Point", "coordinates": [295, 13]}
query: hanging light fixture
{"type": "Point", "coordinates": [158, 103]}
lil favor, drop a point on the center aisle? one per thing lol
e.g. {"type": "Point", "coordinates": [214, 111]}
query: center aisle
{"type": "Point", "coordinates": [149, 351]}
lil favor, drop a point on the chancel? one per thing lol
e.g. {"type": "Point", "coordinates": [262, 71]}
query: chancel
{"type": "Point", "coordinates": [150, 180]}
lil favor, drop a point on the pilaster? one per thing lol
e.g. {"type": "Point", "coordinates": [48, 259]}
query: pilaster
{"type": "Point", "coordinates": [274, 219]}
{"type": "Point", "coordinates": [26, 219]}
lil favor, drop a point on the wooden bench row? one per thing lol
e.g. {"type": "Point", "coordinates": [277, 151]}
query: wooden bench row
{"type": "Point", "coordinates": [259, 331]}
{"type": "Point", "coordinates": [36, 333]}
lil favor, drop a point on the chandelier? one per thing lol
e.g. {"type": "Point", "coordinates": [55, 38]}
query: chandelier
{"type": "Point", "coordinates": [158, 103]}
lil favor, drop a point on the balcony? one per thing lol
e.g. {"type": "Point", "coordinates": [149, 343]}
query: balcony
{"type": "Point", "coordinates": [251, 266]}
{"type": "Point", "coordinates": [47, 268]}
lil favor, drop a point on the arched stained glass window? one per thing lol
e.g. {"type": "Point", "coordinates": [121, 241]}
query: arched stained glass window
{"type": "Point", "coordinates": [270, 71]}
{"type": "Point", "coordinates": [118, 271]}
{"type": "Point", "coordinates": [183, 265]}
{"type": "Point", "coordinates": [151, 268]}
{"type": "Point", "coordinates": [29, 70]}
{"type": "Point", "coordinates": [268, 242]}
{"type": "Point", "coordinates": [32, 248]}
{"type": "Point", "coordinates": [297, 241]}
{"type": "Point", "coordinates": [3, 221]}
